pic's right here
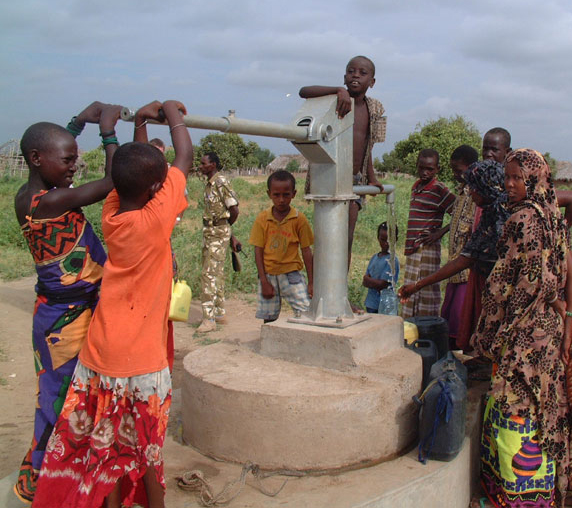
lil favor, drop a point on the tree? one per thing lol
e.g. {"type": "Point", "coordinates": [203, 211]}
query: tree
{"type": "Point", "coordinates": [231, 149]}
{"type": "Point", "coordinates": [551, 161]}
{"type": "Point", "coordinates": [443, 135]}
{"type": "Point", "coordinates": [263, 157]}
{"type": "Point", "coordinates": [293, 166]}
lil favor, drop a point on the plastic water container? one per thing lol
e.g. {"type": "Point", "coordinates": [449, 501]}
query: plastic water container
{"type": "Point", "coordinates": [428, 352]}
{"type": "Point", "coordinates": [443, 416]}
{"type": "Point", "coordinates": [387, 302]}
{"type": "Point", "coordinates": [449, 364]}
{"type": "Point", "coordinates": [181, 296]}
{"type": "Point", "coordinates": [410, 333]}
{"type": "Point", "coordinates": [434, 328]}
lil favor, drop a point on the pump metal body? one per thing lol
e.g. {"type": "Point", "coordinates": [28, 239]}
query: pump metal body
{"type": "Point", "coordinates": [327, 142]}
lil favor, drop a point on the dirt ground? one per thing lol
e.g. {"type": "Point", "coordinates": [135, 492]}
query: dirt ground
{"type": "Point", "coordinates": [17, 378]}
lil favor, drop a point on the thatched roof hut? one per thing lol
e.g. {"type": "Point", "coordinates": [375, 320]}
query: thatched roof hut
{"type": "Point", "coordinates": [563, 171]}
{"type": "Point", "coordinates": [282, 161]}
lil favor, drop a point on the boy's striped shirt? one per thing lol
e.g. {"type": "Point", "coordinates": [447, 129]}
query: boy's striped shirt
{"type": "Point", "coordinates": [428, 205]}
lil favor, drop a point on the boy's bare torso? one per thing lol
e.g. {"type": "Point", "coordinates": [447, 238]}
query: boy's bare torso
{"type": "Point", "coordinates": [361, 131]}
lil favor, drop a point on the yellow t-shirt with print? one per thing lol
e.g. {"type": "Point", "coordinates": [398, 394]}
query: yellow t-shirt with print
{"type": "Point", "coordinates": [281, 241]}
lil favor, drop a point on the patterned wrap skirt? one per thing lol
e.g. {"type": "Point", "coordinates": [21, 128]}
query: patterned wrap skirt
{"type": "Point", "coordinates": [109, 429]}
{"type": "Point", "coordinates": [515, 472]}
{"type": "Point", "coordinates": [426, 302]}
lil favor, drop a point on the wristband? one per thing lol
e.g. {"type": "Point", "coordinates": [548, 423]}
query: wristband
{"type": "Point", "coordinates": [73, 128]}
{"type": "Point", "coordinates": [110, 141]}
{"type": "Point", "coordinates": [107, 134]}
{"type": "Point", "coordinates": [141, 125]}
{"type": "Point", "coordinates": [568, 313]}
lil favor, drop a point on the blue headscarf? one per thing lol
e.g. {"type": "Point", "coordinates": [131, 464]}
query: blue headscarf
{"type": "Point", "coordinates": [487, 179]}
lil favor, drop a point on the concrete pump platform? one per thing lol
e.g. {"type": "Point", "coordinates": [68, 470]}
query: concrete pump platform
{"type": "Point", "coordinates": [339, 398]}
{"type": "Point", "coordinates": [239, 406]}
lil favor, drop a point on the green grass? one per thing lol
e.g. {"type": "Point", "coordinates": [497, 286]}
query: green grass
{"type": "Point", "coordinates": [207, 342]}
{"type": "Point", "coordinates": [15, 259]}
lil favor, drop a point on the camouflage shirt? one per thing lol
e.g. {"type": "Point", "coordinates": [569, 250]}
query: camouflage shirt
{"type": "Point", "coordinates": [219, 197]}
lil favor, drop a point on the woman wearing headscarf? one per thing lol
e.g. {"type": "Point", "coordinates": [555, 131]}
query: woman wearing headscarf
{"type": "Point", "coordinates": [485, 180]}
{"type": "Point", "coordinates": [525, 444]}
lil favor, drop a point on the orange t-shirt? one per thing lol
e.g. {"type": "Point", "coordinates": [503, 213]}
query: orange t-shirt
{"type": "Point", "coordinates": [128, 332]}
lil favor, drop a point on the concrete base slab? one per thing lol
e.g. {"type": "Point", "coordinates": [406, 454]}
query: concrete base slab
{"type": "Point", "coordinates": [402, 483]}
{"type": "Point", "coordinates": [240, 406]}
{"type": "Point", "coordinates": [364, 343]}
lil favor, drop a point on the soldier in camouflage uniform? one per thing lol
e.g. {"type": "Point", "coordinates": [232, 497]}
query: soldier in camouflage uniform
{"type": "Point", "coordinates": [221, 210]}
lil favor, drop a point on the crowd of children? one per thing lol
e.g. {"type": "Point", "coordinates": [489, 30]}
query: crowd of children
{"type": "Point", "coordinates": [104, 348]}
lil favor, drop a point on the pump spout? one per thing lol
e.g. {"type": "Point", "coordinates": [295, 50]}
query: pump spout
{"type": "Point", "coordinates": [388, 189]}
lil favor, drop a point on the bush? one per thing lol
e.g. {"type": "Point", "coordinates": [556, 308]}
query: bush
{"type": "Point", "coordinates": [95, 160]}
{"type": "Point", "coordinates": [443, 135]}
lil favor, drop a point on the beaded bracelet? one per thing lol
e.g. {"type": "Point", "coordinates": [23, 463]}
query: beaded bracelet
{"type": "Point", "coordinates": [110, 141]}
{"type": "Point", "coordinates": [568, 313]}
{"type": "Point", "coordinates": [175, 126]}
{"type": "Point", "coordinates": [73, 128]}
{"type": "Point", "coordinates": [107, 134]}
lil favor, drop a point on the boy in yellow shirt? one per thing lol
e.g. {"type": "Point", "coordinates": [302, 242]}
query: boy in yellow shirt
{"type": "Point", "coordinates": [278, 234]}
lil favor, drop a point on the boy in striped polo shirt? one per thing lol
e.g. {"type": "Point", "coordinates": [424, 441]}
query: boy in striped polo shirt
{"type": "Point", "coordinates": [430, 200]}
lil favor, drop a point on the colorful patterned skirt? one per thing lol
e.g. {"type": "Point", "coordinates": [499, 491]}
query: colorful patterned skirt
{"type": "Point", "coordinates": [110, 429]}
{"type": "Point", "coordinates": [515, 472]}
{"type": "Point", "coordinates": [59, 331]}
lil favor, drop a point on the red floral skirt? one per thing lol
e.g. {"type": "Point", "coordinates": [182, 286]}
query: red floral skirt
{"type": "Point", "coordinates": [109, 429]}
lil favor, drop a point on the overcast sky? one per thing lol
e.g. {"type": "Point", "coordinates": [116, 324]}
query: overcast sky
{"type": "Point", "coordinates": [499, 63]}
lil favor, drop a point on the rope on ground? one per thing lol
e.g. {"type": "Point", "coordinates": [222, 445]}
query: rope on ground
{"type": "Point", "coordinates": [195, 481]}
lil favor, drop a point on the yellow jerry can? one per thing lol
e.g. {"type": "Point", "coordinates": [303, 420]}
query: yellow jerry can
{"type": "Point", "coordinates": [181, 296]}
{"type": "Point", "coordinates": [410, 332]}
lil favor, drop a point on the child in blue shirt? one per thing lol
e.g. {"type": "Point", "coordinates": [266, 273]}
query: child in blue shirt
{"type": "Point", "coordinates": [378, 273]}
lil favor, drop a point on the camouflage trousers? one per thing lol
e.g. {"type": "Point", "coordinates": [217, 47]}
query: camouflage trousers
{"type": "Point", "coordinates": [215, 245]}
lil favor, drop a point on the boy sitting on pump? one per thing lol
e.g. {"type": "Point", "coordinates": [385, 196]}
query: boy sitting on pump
{"type": "Point", "coordinates": [277, 234]}
{"type": "Point", "coordinates": [369, 125]}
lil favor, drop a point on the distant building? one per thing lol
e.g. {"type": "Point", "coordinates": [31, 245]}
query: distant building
{"type": "Point", "coordinates": [282, 161]}
{"type": "Point", "coordinates": [563, 172]}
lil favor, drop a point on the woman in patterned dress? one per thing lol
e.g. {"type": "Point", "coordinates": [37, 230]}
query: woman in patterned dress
{"type": "Point", "coordinates": [525, 454]}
